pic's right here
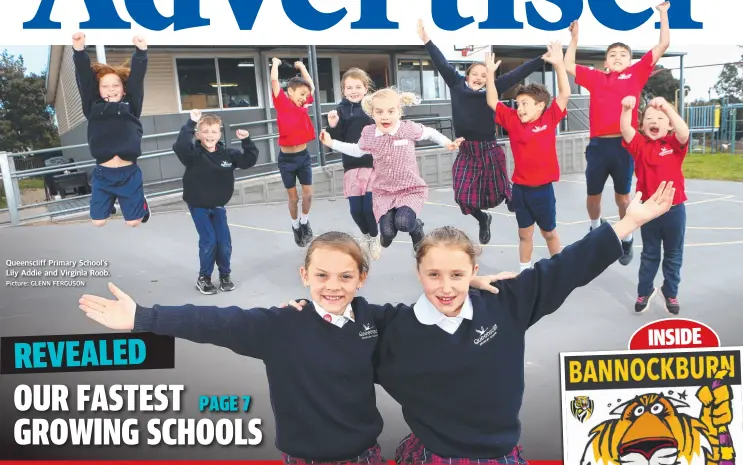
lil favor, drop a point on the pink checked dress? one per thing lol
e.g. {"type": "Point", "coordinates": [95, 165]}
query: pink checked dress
{"type": "Point", "coordinates": [397, 181]}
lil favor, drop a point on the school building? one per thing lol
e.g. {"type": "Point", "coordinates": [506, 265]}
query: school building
{"type": "Point", "coordinates": [234, 82]}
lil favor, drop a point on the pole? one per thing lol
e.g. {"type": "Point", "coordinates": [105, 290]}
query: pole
{"type": "Point", "coordinates": [100, 53]}
{"type": "Point", "coordinates": [682, 91]}
{"type": "Point", "coordinates": [312, 58]}
{"type": "Point", "coordinates": [9, 190]}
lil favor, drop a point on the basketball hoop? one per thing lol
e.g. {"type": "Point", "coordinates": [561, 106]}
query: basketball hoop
{"type": "Point", "coordinates": [467, 50]}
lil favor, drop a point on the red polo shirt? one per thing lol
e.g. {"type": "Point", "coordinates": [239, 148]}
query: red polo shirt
{"type": "Point", "coordinates": [295, 125]}
{"type": "Point", "coordinates": [533, 144]}
{"type": "Point", "coordinates": [608, 89]}
{"type": "Point", "coordinates": [657, 161]}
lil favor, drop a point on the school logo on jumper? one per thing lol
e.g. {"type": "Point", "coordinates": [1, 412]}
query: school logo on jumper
{"type": "Point", "coordinates": [368, 331]}
{"type": "Point", "coordinates": [226, 164]}
{"type": "Point", "coordinates": [486, 334]}
{"type": "Point", "coordinates": [539, 128]}
{"type": "Point", "coordinates": [624, 76]}
{"type": "Point", "coordinates": [582, 408]}
{"type": "Point", "coordinates": [679, 407]}
{"type": "Point", "coordinates": [665, 151]}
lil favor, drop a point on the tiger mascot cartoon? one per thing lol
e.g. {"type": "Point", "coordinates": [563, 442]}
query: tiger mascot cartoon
{"type": "Point", "coordinates": [651, 431]}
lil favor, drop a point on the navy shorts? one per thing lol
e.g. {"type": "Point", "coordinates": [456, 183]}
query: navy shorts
{"type": "Point", "coordinates": [124, 184]}
{"type": "Point", "coordinates": [293, 166]}
{"type": "Point", "coordinates": [534, 205]}
{"type": "Point", "coordinates": [606, 157]}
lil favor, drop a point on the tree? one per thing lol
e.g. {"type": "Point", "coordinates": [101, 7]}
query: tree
{"type": "Point", "coordinates": [26, 120]}
{"type": "Point", "coordinates": [729, 82]}
{"type": "Point", "coordinates": [661, 84]}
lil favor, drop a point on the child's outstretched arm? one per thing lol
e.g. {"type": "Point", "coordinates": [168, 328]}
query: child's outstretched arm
{"type": "Point", "coordinates": [275, 86]}
{"type": "Point", "coordinates": [511, 78]}
{"type": "Point", "coordinates": [447, 71]}
{"type": "Point", "coordinates": [491, 90]}
{"type": "Point", "coordinates": [435, 136]}
{"type": "Point", "coordinates": [665, 32]}
{"type": "Point", "coordinates": [554, 57]}
{"type": "Point", "coordinates": [336, 125]}
{"type": "Point", "coordinates": [680, 128]}
{"type": "Point", "coordinates": [87, 84]}
{"type": "Point", "coordinates": [572, 49]}
{"type": "Point", "coordinates": [625, 120]}
{"type": "Point", "coordinates": [246, 332]}
{"type": "Point", "coordinates": [305, 75]}
{"type": "Point", "coordinates": [135, 83]}
{"type": "Point", "coordinates": [184, 147]}
{"type": "Point", "coordinates": [349, 149]}
{"type": "Point", "coordinates": [248, 156]}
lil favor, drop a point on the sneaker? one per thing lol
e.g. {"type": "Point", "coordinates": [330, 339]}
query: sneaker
{"type": "Point", "coordinates": [603, 221]}
{"type": "Point", "coordinates": [307, 234]}
{"type": "Point", "coordinates": [417, 234]}
{"type": "Point", "coordinates": [365, 244]}
{"type": "Point", "coordinates": [672, 304]}
{"type": "Point", "coordinates": [147, 211]}
{"type": "Point", "coordinates": [298, 236]}
{"type": "Point", "coordinates": [113, 210]}
{"type": "Point", "coordinates": [626, 258]}
{"type": "Point", "coordinates": [225, 283]}
{"type": "Point", "coordinates": [642, 302]}
{"type": "Point", "coordinates": [205, 286]}
{"type": "Point", "coordinates": [375, 248]}
{"type": "Point", "coordinates": [485, 229]}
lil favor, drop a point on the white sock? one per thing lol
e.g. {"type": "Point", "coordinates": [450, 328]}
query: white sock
{"type": "Point", "coordinates": [524, 266]}
{"type": "Point", "coordinates": [295, 223]}
{"type": "Point", "coordinates": [595, 223]}
{"type": "Point", "coordinates": [628, 238]}
{"type": "Point", "coordinates": [304, 218]}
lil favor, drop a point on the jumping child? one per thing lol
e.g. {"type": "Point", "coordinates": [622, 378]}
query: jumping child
{"type": "Point", "coordinates": [659, 153]}
{"type": "Point", "coordinates": [295, 131]}
{"type": "Point", "coordinates": [605, 154]}
{"type": "Point", "coordinates": [531, 130]}
{"type": "Point", "coordinates": [345, 124]}
{"type": "Point", "coordinates": [208, 185]}
{"type": "Point", "coordinates": [322, 388]}
{"type": "Point", "coordinates": [112, 99]}
{"type": "Point", "coordinates": [398, 190]}
{"type": "Point", "coordinates": [479, 172]}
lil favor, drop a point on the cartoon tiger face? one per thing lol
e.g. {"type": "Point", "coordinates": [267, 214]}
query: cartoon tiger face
{"type": "Point", "coordinates": [649, 430]}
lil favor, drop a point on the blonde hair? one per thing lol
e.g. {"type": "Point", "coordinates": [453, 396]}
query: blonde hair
{"type": "Point", "coordinates": [340, 242]}
{"type": "Point", "coordinates": [447, 236]}
{"type": "Point", "coordinates": [361, 75]}
{"type": "Point", "coordinates": [209, 119]}
{"type": "Point", "coordinates": [406, 98]}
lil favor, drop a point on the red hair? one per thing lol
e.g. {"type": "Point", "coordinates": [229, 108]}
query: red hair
{"type": "Point", "coordinates": [102, 69]}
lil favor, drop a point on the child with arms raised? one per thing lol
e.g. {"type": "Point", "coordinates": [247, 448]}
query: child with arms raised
{"type": "Point", "coordinates": [112, 99]}
{"type": "Point", "coordinates": [531, 131]}
{"type": "Point", "coordinates": [398, 190]}
{"type": "Point", "coordinates": [208, 185]}
{"type": "Point", "coordinates": [659, 152]}
{"type": "Point", "coordinates": [345, 124]}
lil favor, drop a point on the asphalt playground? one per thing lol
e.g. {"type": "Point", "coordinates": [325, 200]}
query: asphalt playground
{"type": "Point", "coordinates": [157, 263]}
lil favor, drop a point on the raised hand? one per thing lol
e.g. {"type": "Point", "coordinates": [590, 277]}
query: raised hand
{"type": "Point", "coordinates": [299, 65]}
{"type": "Point", "coordinates": [195, 115]}
{"type": "Point", "coordinates": [629, 102]}
{"type": "Point", "coordinates": [422, 31]}
{"type": "Point", "coordinates": [658, 103]}
{"type": "Point", "coordinates": [326, 139]}
{"type": "Point", "coordinates": [663, 6]}
{"type": "Point", "coordinates": [490, 63]}
{"type": "Point", "coordinates": [275, 62]}
{"type": "Point", "coordinates": [242, 134]}
{"type": "Point", "coordinates": [113, 314]}
{"type": "Point", "coordinates": [574, 30]}
{"type": "Point", "coordinates": [333, 118]}
{"type": "Point", "coordinates": [554, 55]}
{"type": "Point", "coordinates": [660, 202]}
{"type": "Point", "coordinates": [78, 41]}
{"type": "Point", "coordinates": [140, 42]}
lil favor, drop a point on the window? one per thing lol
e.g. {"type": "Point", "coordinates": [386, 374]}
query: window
{"type": "Point", "coordinates": [409, 76]}
{"type": "Point", "coordinates": [421, 77]}
{"type": "Point", "coordinates": [325, 86]}
{"type": "Point", "coordinates": [217, 83]}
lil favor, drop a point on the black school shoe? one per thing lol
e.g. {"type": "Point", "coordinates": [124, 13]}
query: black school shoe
{"type": "Point", "coordinates": [643, 301]}
{"type": "Point", "coordinates": [307, 234]}
{"type": "Point", "coordinates": [298, 237]}
{"type": "Point", "coordinates": [205, 286]}
{"type": "Point", "coordinates": [417, 234]}
{"type": "Point", "coordinates": [485, 229]}
{"type": "Point", "coordinates": [146, 211]}
{"type": "Point", "coordinates": [626, 258]}
{"type": "Point", "coordinates": [672, 304]}
{"type": "Point", "coordinates": [225, 283]}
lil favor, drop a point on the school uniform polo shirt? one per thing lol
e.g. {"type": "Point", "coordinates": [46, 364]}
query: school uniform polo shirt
{"type": "Point", "coordinates": [295, 125]}
{"type": "Point", "coordinates": [657, 161]}
{"type": "Point", "coordinates": [428, 314]}
{"type": "Point", "coordinates": [534, 145]}
{"type": "Point", "coordinates": [608, 89]}
{"type": "Point", "coordinates": [337, 320]}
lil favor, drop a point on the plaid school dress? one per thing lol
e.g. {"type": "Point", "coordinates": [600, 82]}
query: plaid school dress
{"type": "Point", "coordinates": [397, 181]}
{"type": "Point", "coordinates": [480, 176]}
{"type": "Point", "coordinates": [412, 451]}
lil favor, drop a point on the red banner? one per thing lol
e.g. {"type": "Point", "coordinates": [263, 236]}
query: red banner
{"type": "Point", "coordinates": [674, 333]}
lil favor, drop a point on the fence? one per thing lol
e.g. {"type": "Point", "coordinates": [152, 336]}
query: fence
{"type": "Point", "coordinates": [16, 166]}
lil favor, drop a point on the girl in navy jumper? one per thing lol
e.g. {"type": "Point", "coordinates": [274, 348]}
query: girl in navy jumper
{"type": "Point", "coordinates": [471, 344]}
{"type": "Point", "coordinates": [322, 384]}
{"type": "Point", "coordinates": [208, 184]}
{"type": "Point", "coordinates": [479, 172]}
{"type": "Point", "coordinates": [345, 124]}
{"type": "Point", "coordinates": [112, 99]}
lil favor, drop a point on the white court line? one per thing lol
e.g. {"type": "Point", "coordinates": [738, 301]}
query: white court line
{"type": "Point", "coordinates": [609, 184]}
